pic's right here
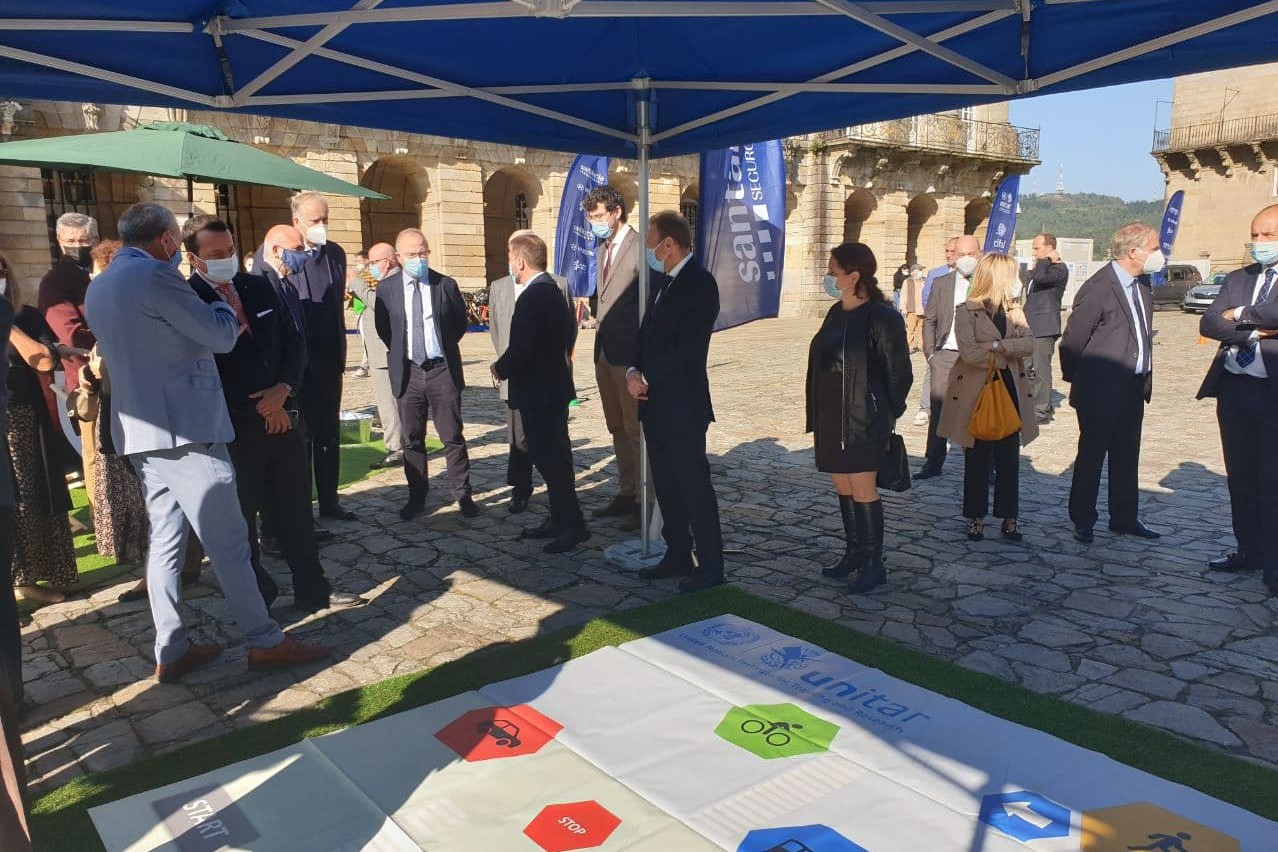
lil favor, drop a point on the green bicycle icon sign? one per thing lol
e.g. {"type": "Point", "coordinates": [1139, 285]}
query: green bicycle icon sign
{"type": "Point", "coordinates": [774, 733]}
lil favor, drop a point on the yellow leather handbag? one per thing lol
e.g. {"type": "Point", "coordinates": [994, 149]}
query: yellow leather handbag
{"type": "Point", "coordinates": [995, 415]}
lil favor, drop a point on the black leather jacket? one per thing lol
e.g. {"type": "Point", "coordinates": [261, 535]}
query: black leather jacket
{"type": "Point", "coordinates": [867, 347]}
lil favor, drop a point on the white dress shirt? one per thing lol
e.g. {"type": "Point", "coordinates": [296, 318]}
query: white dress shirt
{"type": "Point", "coordinates": [1128, 285]}
{"type": "Point", "coordinates": [961, 286]}
{"type": "Point", "coordinates": [434, 349]}
{"type": "Point", "coordinates": [1257, 366]}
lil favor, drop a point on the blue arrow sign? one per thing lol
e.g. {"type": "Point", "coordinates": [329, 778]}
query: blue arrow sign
{"type": "Point", "coordinates": [798, 838]}
{"type": "Point", "coordinates": [1025, 816]}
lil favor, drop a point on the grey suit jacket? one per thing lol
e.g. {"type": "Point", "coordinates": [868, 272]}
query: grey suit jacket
{"type": "Point", "coordinates": [1099, 347]}
{"type": "Point", "coordinates": [158, 338]}
{"type": "Point", "coordinates": [618, 301]}
{"type": "Point", "coordinates": [938, 314]}
{"type": "Point", "coordinates": [368, 327]}
{"type": "Point", "coordinates": [501, 309]}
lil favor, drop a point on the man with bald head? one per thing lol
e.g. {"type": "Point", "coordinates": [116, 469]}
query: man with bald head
{"type": "Point", "coordinates": [1244, 380]}
{"type": "Point", "coordinates": [940, 346]}
{"type": "Point", "coordinates": [421, 317]}
{"type": "Point", "coordinates": [381, 263]}
{"type": "Point", "coordinates": [318, 288]}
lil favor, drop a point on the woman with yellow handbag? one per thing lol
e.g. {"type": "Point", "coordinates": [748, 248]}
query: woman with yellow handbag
{"type": "Point", "coordinates": [988, 389]}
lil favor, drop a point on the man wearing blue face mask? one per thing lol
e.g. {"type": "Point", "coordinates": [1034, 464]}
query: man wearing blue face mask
{"type": "Point", "coordinates": [1244, 380]}
{"type": "Point", "coordinates": [381, 263]}
{"type": "Point", "coordinates": [421, 317]}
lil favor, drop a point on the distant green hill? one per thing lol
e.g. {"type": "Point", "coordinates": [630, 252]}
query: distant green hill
{"type": "Point", "coordinates": [1083, 215]}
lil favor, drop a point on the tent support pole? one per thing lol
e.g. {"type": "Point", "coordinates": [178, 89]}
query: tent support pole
{"type": "Point", "coordinates": [644, 123]}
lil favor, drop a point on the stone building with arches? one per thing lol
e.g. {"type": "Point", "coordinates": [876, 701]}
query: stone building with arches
{"type": "Point", "coordinates": [903, 187]}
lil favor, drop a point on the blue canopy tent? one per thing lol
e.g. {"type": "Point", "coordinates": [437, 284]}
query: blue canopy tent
{"type": "Point", "coordinates": [626, 78]}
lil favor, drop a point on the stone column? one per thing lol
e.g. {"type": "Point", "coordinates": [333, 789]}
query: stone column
{"type": "Point", "coordinates": [23, 229]}
{"type": "Point", "coordinates": [453, 219]}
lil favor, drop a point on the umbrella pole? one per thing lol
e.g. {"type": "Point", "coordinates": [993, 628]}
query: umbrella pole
{"type": "Point", "coordinates": [190, 199]}
{"type": "Point", "coordinates": [645, 145]}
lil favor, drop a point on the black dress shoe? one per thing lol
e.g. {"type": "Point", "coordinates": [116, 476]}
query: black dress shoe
{"type": "Point", "coordinates": [392, 460]}
{"type": "Point", "coordinates": [618, 507]}
{"type": "Point", "coordinates": [668, 567]}
{"type": "Point", "coordinates": [1137, 529]}
{"type": "Point", "coordinates": [335, 600]}
{"type": "Point", "coordinates": [547, 529]}
{"type": "Point", "coordinates": [700, 580]}
{"type": "Point", "coordinates": [518, 502]}
{"type": "Point", "coordinates": [928, 472]}
{"type": "Point", "coordinates": [1083, 535]}
{"type": "Point", "coordinates": [1233, 563]}
{"type": "Point", "coordinates": [336, 512]}
{"type": "Point", "coordinates": [412, 508]}
{"type": "Point", "coordinates": [468, 507]}
{"type": "Point", "coordinates": [567, 540]}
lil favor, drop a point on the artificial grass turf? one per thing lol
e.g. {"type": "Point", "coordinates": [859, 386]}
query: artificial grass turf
{"type": "Point", "coordinates": [60, 818]}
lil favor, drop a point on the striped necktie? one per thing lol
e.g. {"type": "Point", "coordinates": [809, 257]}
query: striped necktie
{"type": "Point", "coordinates": [1246, 354]}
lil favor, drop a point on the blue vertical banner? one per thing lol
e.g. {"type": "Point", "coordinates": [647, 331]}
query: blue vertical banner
{"type": "Point", "coordinates": [1167, 233]}
{"type": "Point", "coordinates": [741, 229]}
{"type": "Point", "coordinates": [574, 243]}
{"type": "Point", "coordinates": [998, 236]}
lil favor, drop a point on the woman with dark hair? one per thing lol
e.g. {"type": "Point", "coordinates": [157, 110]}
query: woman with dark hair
{"type": "Point", "coordinates": [859, 377]}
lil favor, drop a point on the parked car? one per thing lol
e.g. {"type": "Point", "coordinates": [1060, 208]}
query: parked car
{"type": "Point", "coordinates": [1180, 279]}
{"type": "Point", "coordinates": [1199, 298]}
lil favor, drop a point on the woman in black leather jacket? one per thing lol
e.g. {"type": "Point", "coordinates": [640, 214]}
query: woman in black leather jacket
{"type": "Point", "coordinates": [859, 377]}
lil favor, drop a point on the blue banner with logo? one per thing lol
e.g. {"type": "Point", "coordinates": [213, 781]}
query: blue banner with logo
{"type": "Point", "coordinates": [741, 229]}
{"type": "Point", "coordinates": [998, 237]}
{"type": "Point", "coordinates": [574, 244]}
{"type": "Point", "coordinates": [1167, 233]}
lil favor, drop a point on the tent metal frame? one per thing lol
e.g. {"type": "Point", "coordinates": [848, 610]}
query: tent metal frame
{"type": "Point", "coordinates": [867, 13]}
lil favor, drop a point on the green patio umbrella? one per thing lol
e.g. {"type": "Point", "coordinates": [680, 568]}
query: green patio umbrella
{"type": "Point", "coordinates": [196, 152]}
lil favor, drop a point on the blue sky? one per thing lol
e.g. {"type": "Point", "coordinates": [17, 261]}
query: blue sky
{"type": "Point", "coordinates": [1101, 136]}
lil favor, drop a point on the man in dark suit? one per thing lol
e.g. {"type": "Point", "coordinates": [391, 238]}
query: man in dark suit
{"type": "Point", "coordinates": [260, 379]}
{"type": "Point", "coordinates": [617, 294]}
{"type": "Point", "coordinates": [536, 365]}
{"type": "Point", "coordinates": [668, 379]}
{"type": "Point", "coordinates": [318, 300]}
{"type": "Point", "coordinates": [421, 317]}
{"type": "Point", "coordinates": [1107, 357]}
{"type": "Point", "coordinates": [1043, 295]}
{"type": "Point", "coordinates": [502, 294]}
{"type": "Point", "coordinates": [940, 346]}
{"type": "Point", "coordinates": [1244, 380]}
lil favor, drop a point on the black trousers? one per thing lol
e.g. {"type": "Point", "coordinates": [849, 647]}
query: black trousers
{"type": "Point", "coordinates": [546, 429]}
{"type": "Point", "coordinates": [10, 634]}
{"type": "Point", "coordinates": [519, 464]}
{"type": "Point", "coordinates": [689, 507]}
{"type": "Point", "coordinates": [1005, 455]}
{"type": "Point", "coordinates": [1044, 349]}
{"type": "Point", "coordinates": [939, 367]}
{"type": "Point", "coordinates": [1112, 432]}
{"type": "Point", "coordinates": [1247, 410]}
{"type": "Point", "coordinates": [431, 394]}
{"type": "Point", "coordinates": [272, 470]}
{"type": "Point", "coordinates": [322, 409]}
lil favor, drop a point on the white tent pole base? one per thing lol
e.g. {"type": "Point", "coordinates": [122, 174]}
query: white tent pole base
{"type": "Point", "coordinates": [635, 554]}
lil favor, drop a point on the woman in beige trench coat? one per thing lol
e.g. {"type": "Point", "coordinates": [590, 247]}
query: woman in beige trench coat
{"type": "Point", "coordinates": [988, 326]}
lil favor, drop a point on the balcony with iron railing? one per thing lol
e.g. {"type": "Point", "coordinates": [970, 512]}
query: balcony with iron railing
{"type": "Point", "coordinates": [1210, 134]}
{"type": "Point", "coordinates": [944, 133]}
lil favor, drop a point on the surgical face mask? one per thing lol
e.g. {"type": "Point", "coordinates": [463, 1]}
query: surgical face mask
{"type": "Point", "coordinates": [1017, 289]}
{"type": "Point", "coordinates": [654, 262]}
{"type": "Point", "coordinates": [293, 260]}
{"type": "Point", "coordinates": [79, 255]}
{"type": "Point", "coordinates": [317, 234]}
{"type": "Point", "coordinates": [375, 270]}
{"type": "Point", "coordinates": [831, 285]}
{"type": "Point", "coordinates": [601, 230]}
{"type": "Point", "coordinates": [513, 276]}
{"type": "Point", "coordinates": [1266, 254]}
{"type": "Point", "coordinates": [416, 267]}
{"type": "Point", "coordinates": [222, 269]}
{"type": "Point", "coordinates": [1154, 262]}
{"type": "Point", "coordinates": [966, 266]}
{"type": "Point", "coordinates": [175, 259]}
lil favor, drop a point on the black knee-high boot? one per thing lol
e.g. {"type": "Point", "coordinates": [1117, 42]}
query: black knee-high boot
{"type": "Point", "coordinates": [869, 524]}
{"type": "Point", "coordinates": [848, 563]}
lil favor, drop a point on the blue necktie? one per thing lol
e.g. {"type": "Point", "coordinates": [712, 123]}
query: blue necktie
{"type": "Point", "coordinates": [418, 354]}
{"type": "Point", "coordinates": [1245, 355]}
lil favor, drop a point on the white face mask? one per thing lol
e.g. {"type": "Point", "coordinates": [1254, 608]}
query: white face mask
{"type": "Point", "coordinates": [966, 266]}
{"type": "Point", "coordinates": [317, 234]}
{"type": "Point", "coordinates": [222, 270]}
{"type": "Point", "coordinates": [1017, 288]}
{"type": "Point", "coordinates": [1154, 263]}
{"type": "Point", "coordinates": [4, 286]}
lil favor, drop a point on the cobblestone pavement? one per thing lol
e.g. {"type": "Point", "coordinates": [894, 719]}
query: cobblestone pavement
{"type": "Point", "coordinates": [1124, 626]}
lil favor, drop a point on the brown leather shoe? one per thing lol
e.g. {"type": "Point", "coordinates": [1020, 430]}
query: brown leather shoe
{"type": "Point", "coordinates": [195, 656]}
{"type": "Point", "coordinates": [288, 653]}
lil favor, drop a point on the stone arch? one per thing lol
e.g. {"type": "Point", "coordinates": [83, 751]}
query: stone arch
{"type": "Point", "coordinates": [920, 241]}
{"type": "Point", "coordinates": [510, 196]}
{"type": "Point", "coordinates": [408, 186]}
{"type": "Point", "coordinates": [857, 209]}
{"type": "Point", "coordinates": [251, 211]}
{"type": "Point", "coordinates": [976, 217]}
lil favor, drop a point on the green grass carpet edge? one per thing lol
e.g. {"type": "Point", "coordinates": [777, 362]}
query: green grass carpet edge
{"type": "Point", "coordinates": [60, 818]}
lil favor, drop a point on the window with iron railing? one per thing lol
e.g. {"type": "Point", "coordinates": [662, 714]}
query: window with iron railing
{"type": "Point", "coordinates": [1233, 131]}
{"type": "Point", "coordinates": [66, 192]}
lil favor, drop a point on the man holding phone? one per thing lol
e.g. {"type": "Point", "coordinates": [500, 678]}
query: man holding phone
{"type": "Point", "coordinates": [259, 377]}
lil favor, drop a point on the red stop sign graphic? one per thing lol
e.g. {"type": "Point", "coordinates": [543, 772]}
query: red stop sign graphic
{"type": "Point", "coordinates": [490, 733]}
{"type": "Point", "coordinates": [575, 825]}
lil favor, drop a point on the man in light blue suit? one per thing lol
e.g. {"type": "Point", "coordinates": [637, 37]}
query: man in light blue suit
{"type": "Point", "coordinates": [169, 418]}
